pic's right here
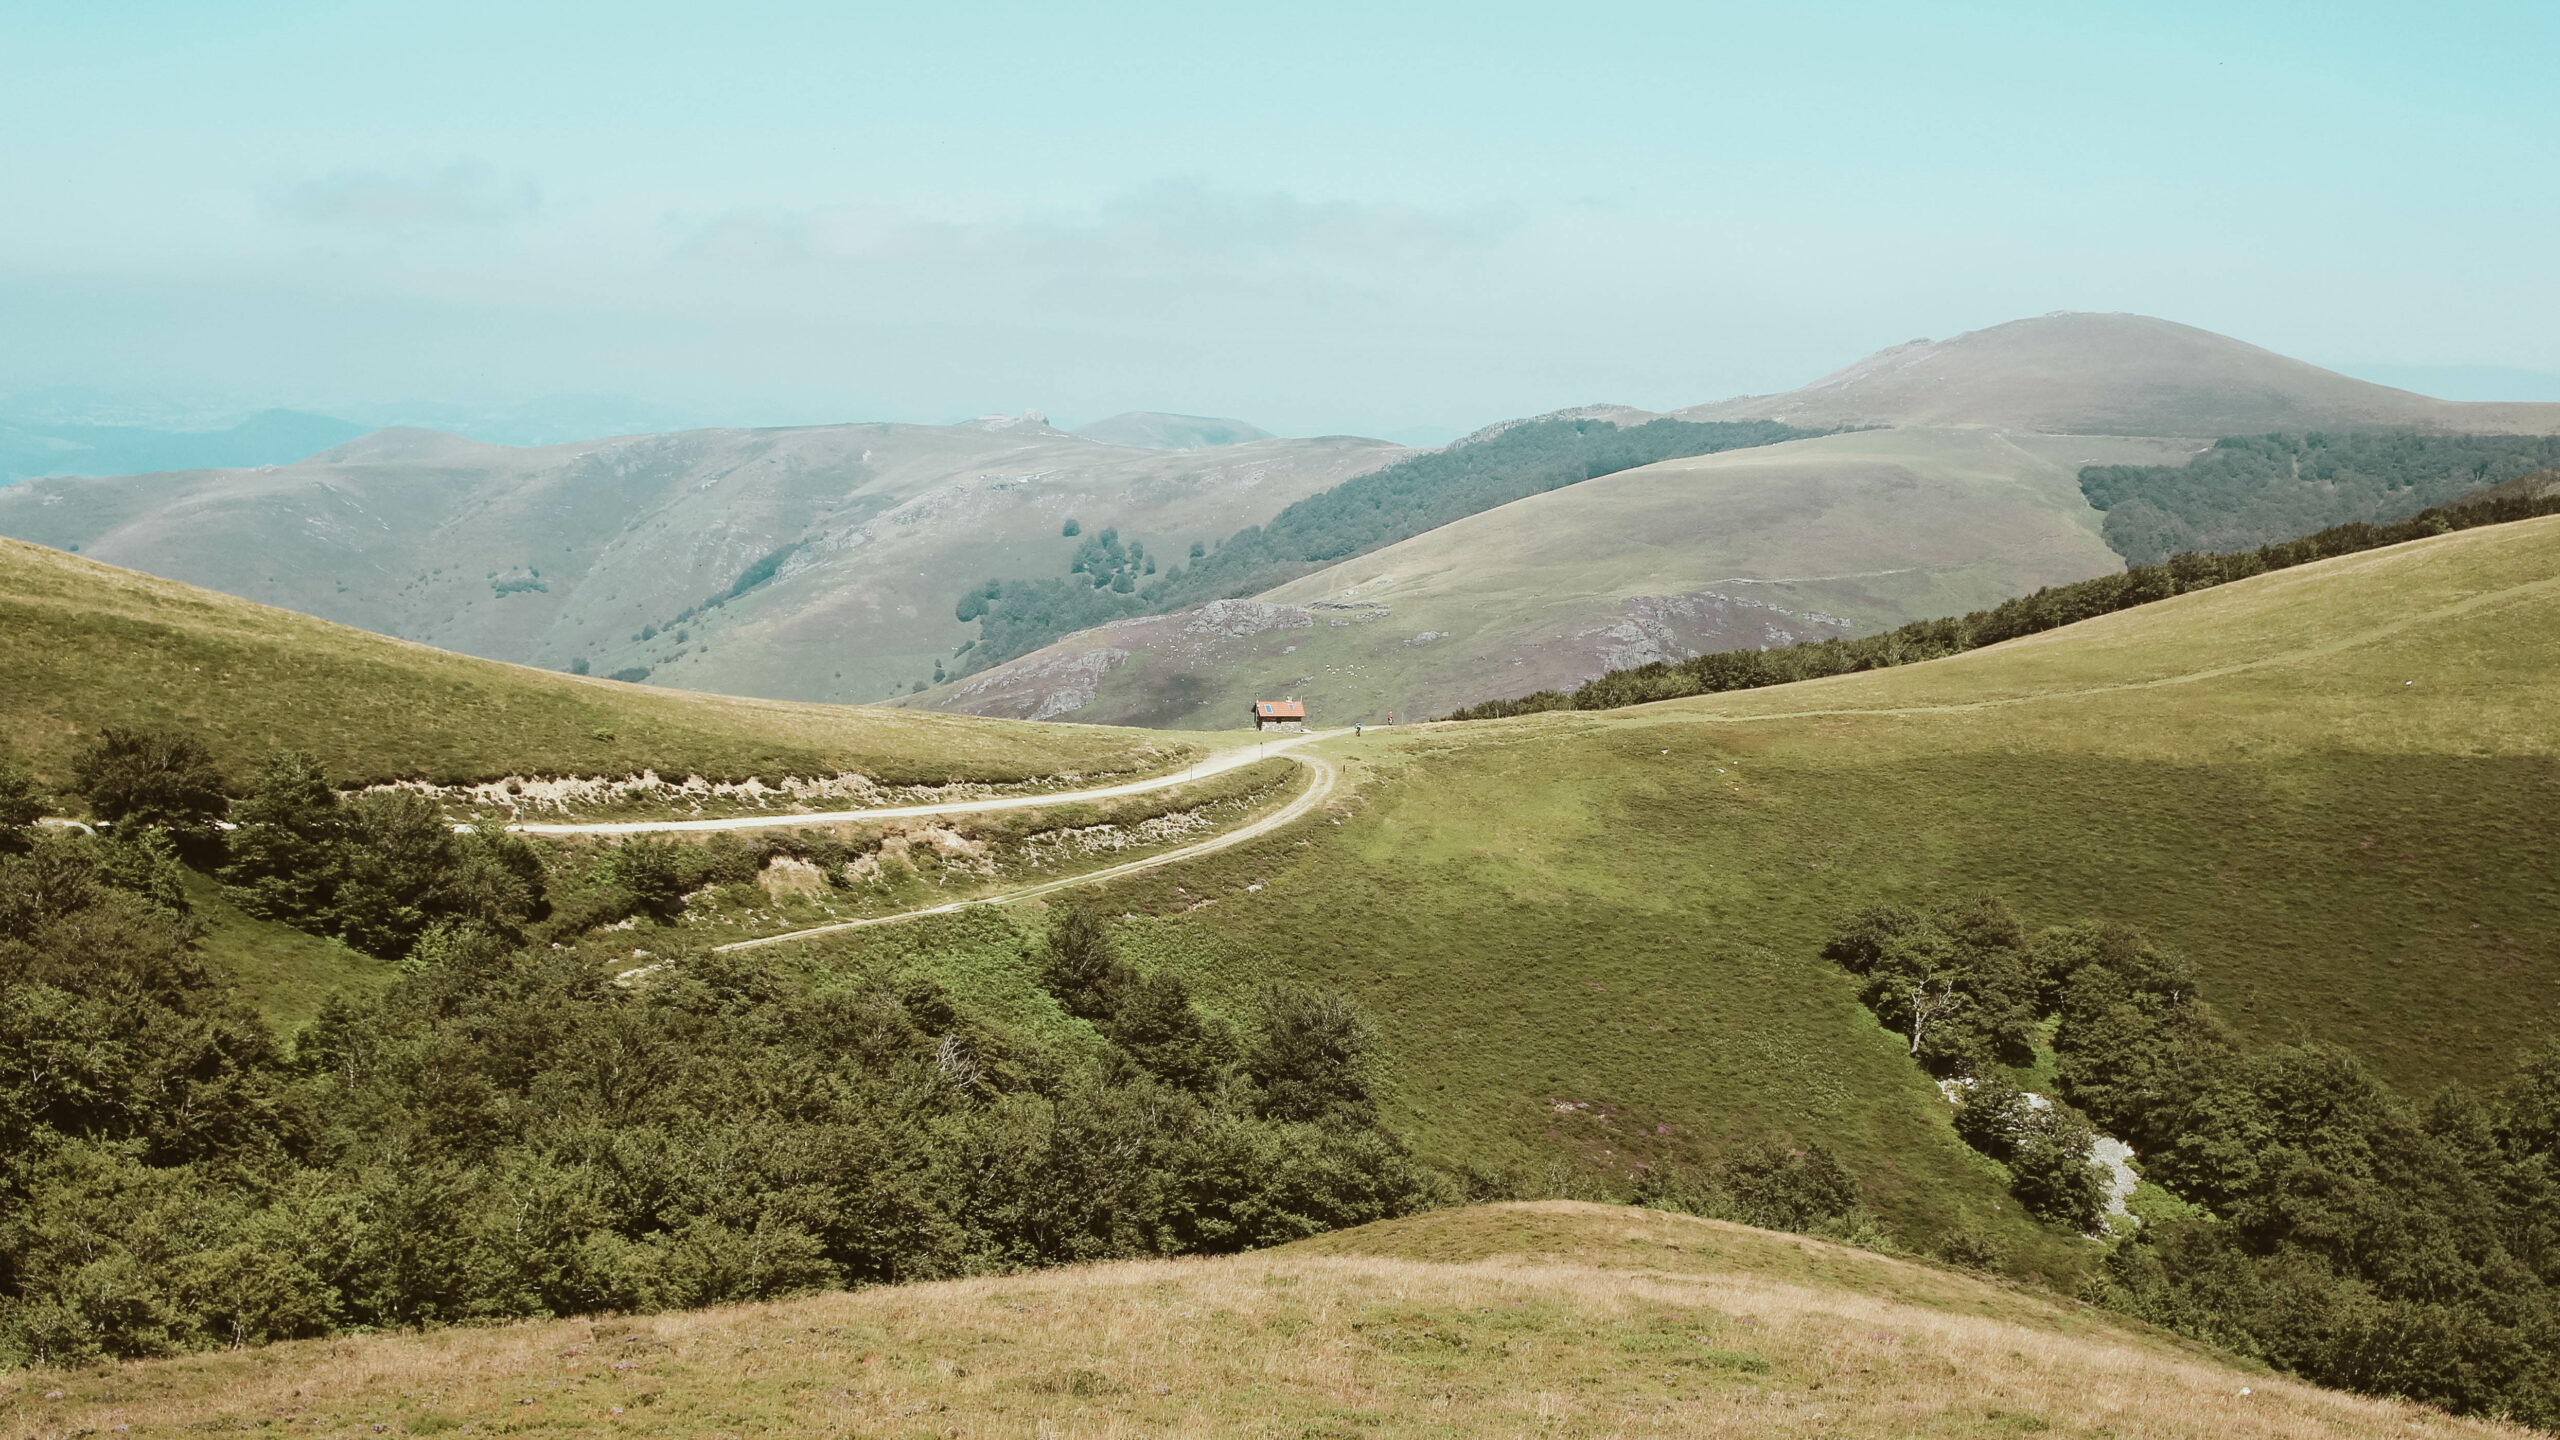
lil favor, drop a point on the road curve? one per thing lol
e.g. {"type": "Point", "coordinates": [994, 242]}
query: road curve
{"type": "Point", "coordinates": [1214, 765]}
{"type": "Point", "coordinates": [1319, 789]}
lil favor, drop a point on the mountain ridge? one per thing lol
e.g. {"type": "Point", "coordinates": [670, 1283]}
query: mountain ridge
{"type": "Point", "coordinates": [2041, 398]}
{"type": "Point", "coordinates": [2078, 372]}
{"type": "Point", "coordinates": [628, 554]}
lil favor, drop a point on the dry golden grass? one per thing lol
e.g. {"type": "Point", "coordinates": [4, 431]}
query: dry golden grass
{"type": "Point", "coordinates": [1553, 1319]}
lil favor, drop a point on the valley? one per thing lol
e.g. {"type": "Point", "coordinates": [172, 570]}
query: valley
{"type": "Point", "coordinates": [1589, 943]}
{"type": "Point", "coordinates": [918, 963]}
{"type": "Point", "coordinates": [886, 723]}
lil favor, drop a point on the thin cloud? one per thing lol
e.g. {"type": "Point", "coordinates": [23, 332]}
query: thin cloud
{"type": "Point", "coordinates": [458, 197]}
{"type": "Point", "coordinates": [1167, 234]}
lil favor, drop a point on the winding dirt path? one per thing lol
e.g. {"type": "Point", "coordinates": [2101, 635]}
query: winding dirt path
{"type": "Point", "coordinates": [1320, 788]}
{"type": "Point", "coordinates": [1235, 759]}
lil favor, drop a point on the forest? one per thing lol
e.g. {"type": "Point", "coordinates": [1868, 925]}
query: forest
{"type": "Point", "coordinates": [2292, 1207]}
{"type": "Point", "coordinates": [507, 1132]}
{"type": "Point", "coordinates": [2047, 609]}
{"type": "Point", "coordinates": [1359, 515]}
{"type": "Point", "coordinates": [2255, 489]}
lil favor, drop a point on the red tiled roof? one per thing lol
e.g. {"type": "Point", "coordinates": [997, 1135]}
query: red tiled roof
{"type": "Point", "coordinates": [1280, 709]}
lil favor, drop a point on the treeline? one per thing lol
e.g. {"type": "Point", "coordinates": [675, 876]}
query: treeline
{"type": "Point", "coordinates": [383, 870]}
{"type": "Point", "coordinates": [2254, 489]}
{"type": "Point", "coordinates": [1020, 616]}
{"type": "Point", "coordinates": [1359, 515]}
{"type": "Point", "coordinates": [2314, 1219]}
{"type": "Point", "coordinates": [506, 1132]}
{"type": "Point", "coordinates": [2047, 609]}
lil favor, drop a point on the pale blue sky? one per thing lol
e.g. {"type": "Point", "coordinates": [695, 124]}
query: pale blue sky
{"type": "Point", "coordinates": [1401, 220]}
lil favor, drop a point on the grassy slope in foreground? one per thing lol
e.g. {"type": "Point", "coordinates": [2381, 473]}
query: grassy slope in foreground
{"type": "Point", "coordinates": [84, 645]}
{"type": "Point", "coordinates": [2331, 785]}
{"type": "Point", "coordinates": [1557, 1318]}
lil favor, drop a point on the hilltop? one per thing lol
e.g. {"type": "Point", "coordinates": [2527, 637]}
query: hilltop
{"type": "Point", "coordinates": [1566, 1319]}
{"type": "Point", "coordinates": [1154, 430]}
{"type": "Point", "coordinates": [83, 644]}
{"type": "Point", "coordinates": [2092, 374]}
{"type": "Point", "coordinates": [815, 563]}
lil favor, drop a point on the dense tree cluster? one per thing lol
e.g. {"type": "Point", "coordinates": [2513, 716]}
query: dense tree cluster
{"type": "Point", "coordinates": [375, 870]}
{"type": "Point", "coordinates": [1357, 516]}
{"type": "Point", "coordinates": [2330, 1227]}
{"type": "Point", "coordinates": [2046, 609]}
{"type": "Point", "coordinates": [508, 1132]}
{"type": "Point", "coordinates": [2255, 489]}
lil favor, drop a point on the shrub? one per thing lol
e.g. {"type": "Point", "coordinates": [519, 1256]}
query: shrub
{"type": "Point", "coordinates": [1313, 1056]}
{"type": "Point", "coordinates": [2051, 1170]}
{"type": "Point", "coordinates": [288, 854]}
{"type": "Point", "coordinates": [652, 871]}
{"type": "Point", "coordinates": [163, 778]}
{"type": "Point", "coordinates": [22, 804]}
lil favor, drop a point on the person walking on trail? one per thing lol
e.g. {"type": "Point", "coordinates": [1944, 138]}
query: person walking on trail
{"type": "Point", "coordinates": [1355, 729]}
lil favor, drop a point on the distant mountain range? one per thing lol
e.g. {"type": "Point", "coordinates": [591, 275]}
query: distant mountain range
{"type": "Point", "coordinates": [270, 437]}
{"type": "Point", "coordinates": [1959, 486]}
{"type": "Point", "coordinates": [836, 562]}
{"type": "Point", "coordinates": [1150, 430]}
{"type": "Point", "coordinates": [816, 563]}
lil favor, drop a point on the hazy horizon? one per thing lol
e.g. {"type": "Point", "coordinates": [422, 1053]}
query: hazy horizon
{"type": "Point", "coordinates": [1340, 222]}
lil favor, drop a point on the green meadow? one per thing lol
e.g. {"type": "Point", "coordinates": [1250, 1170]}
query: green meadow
{"type": "Point", "coordinates": [1591, 939]}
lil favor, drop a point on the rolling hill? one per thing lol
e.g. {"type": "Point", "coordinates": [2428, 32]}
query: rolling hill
{"type": "Point", "coordinates": [834, 553]}
{"type": "Point", "coordinates": [1838, 535]}
{"type": "Point", "coordinates": [1556, 1319]}
{"type": "Point", "coordinates": [2091, 374]}
{"type": "Point", "coordinates": [83, 644]}
{"type": "Point", "coordinates": [1961, 488]}
{"type": "Point", "coordinates": [1590, 945]}
{"type": "Point", "coordinates": [2326, 785]}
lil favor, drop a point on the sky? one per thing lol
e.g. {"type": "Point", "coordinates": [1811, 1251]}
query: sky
{"type": "Point", "coordinates": [1378, 219]}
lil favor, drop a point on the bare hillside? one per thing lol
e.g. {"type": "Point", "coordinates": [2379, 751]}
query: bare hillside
{"type": "Point", "coordinates": [2089, 374]}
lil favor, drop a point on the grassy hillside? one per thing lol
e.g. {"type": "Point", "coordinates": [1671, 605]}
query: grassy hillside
{"type": "Point", "coordinates": [1106, 582]}
{"type": "Point", "coordinates": [84, 645]}
{"type": "Point", "coordinates": [1592, 938]}
{"type": "Point", "coordinates": [840, 549]}
{"type": "Point", "coordinates": [2092, 374]}
{"type": "Point", "coordinates": [1554, 1319]}
{"type": "Point", "coordinates": [1843, 534]}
